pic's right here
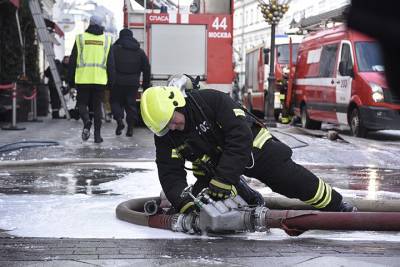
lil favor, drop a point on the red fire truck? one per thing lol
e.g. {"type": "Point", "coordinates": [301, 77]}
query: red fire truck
{"type": "Point", "coordinates": [257, 71]}
{"type": "Point", "coordinates": [197, 42]}
{"type": "Point", "coordinates": [340, 79]}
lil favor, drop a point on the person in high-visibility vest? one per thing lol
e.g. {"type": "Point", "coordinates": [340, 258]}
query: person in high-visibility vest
{"type": "Point", "coordinates": [92, 70]}
{"type": "Point", "coordinates": [223, 141]}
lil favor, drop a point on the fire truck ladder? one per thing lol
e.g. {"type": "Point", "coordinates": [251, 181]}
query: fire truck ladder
{"type": "Point", "coordinates": [316, 22]}
{"type": "Point", "coordinates": [137, 22]}
{"type": "Point", "coordinates": [44, 38]}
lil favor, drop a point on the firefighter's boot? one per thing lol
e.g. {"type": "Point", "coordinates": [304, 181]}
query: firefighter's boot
{"type": "Point", "coordinates": [97, 136]}
{"type": "Point", "coordinates": [86, 130]}
{"type": "Point", "coordinates": [347, 207]}
{"type": "Point", "coordinates": [120, 127]}
{"type": "Point", "coordinates": [251, 196]}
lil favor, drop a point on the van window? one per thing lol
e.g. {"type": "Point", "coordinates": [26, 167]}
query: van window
{"type": "Point", "coordinates": [328, 60]}
{"type": "Point", "coordinates": [283, 53]}
{"type": "Point", "coordinates": [346, 55]}
{"type": "Point", "coordinates": [369, 57]}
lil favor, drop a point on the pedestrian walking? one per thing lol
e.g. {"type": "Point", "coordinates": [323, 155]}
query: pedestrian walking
{"type": "Point", "coordinates": [223, 142]}
{"type": "Point", "coordinates": [92, 70]}
{"type": "Point", "coordinates": [130, 62]}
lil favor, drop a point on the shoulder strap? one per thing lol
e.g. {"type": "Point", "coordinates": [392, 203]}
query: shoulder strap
{"type": "Point", "coordinates": [196, 98]}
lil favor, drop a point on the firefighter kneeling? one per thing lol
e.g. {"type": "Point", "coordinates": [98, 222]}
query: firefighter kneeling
{"type": "Point", "coordinates": [207, 128]}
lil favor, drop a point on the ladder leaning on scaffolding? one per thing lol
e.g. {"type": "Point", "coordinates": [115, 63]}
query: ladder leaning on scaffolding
{"type": "Point", "coordinates": [44, 38]}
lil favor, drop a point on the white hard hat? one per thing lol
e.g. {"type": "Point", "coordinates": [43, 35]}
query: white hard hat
{"type": "Point", "coordinates": [96, 20]}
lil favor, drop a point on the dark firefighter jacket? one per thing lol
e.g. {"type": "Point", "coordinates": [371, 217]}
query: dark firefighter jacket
{"type": "Point", "coordinates": [223, 137]}
{"type": "Point", "coordinates": [130, 61]}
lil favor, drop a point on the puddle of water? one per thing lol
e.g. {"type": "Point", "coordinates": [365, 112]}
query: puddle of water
{"type": "Point", "coordinates": [363, 182]}
{"type": "Point", "coordinates": [62, 180]}
{"type": "Point", "coordinates": [366, 182]}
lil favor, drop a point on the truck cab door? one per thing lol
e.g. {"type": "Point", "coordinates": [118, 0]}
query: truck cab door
{"type": "Point", "coordinates": [325, 92]}
{"type": "Point", "coordinates": [344, 78]}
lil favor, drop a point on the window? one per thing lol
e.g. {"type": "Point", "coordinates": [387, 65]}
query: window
{"type": "Point", "coordinates": [328, 60]}
{"type": "Point", "coordinates": [259, 14]}
{"type": "Point", "coordinates": [369, 57]}
{"type": "Point", "coordinates": [284, 53]}
{"type": "Point", "coordinates": [346, 56]}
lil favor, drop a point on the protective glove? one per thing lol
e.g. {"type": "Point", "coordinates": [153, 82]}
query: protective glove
{"type": "Point", "coordinates": [251, 196]}
{"type": "Point", "coordinates": [188, 208]}
{"type": "Point", "coordinates": [219, 190]}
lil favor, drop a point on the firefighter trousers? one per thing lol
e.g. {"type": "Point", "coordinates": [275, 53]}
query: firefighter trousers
{"type": "Point", "coordinates": [273, 166]}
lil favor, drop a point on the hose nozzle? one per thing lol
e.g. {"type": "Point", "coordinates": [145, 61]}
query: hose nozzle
{"type": "Point", "coordinates": [151, 207]}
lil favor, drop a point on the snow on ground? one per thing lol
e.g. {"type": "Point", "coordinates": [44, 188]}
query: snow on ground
{"type": "Point", "coordinates": [93, 216]}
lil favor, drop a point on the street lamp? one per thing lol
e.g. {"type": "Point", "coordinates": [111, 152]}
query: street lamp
{"type": "Point", "coordinates": [273, 11]}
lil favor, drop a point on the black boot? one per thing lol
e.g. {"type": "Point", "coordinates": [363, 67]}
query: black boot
{"type": "Point", "coordinates": [97, 137]}
{"type": "Point", "coordinates": [55, 115]}
{"type": "Point", "coordinates": [347, 207]}
{"type": "Point", "coordinates": [120, 127]}
{"type": "Point", "coordinates": [129, 132]}
{"type": "Point", "coordinates": [251, 196]}
{"type": "Point", "coordinates": [86, 130]}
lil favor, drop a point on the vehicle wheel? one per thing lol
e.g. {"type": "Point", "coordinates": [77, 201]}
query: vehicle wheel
{"type": "Point", "coordinates": [356, 124]}
{"type": "Point", "coordinates": [308, 123]}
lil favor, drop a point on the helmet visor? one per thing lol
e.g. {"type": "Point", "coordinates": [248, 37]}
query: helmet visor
{"type": "Point", "coordinates": [163, 132]}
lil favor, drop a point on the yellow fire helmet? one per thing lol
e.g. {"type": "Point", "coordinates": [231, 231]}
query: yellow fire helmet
{"type": "Point", "coordinates": [157, 107]}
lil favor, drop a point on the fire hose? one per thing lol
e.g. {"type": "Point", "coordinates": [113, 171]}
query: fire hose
{"type": "Point", "coordinates": [233, 214]}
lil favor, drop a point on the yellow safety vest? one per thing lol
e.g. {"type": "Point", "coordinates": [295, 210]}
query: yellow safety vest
{"type": "Point", "coordinates": [91, 62]}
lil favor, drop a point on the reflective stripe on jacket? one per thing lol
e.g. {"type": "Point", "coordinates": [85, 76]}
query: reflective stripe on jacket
{"type": "Point", "coordinates": [93, 50]}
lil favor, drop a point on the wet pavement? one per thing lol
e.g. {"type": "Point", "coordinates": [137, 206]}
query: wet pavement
{"type": "Point", "coordinates": [67, 134]}
{"type": "Point", "coordinates": [85, 178]}
{"type": "Point", "coordinates": [198, 252]}
{"type": "Point", "coordinates": [362, 168]}
{"type": "Point", "coordinates": [60, 180]}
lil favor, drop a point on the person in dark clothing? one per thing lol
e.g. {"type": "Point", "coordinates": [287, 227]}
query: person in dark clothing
{"type": "Point", "coordinates": [54, 97]}
{"type": "Point", "coordinates": [130, 62]}
{"type": "Point", "coordinates": [91, 69]}
{"type": "Point", "coordinates": [223, 142]}
{"type": "Point", "coordinates": [65, 64]}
